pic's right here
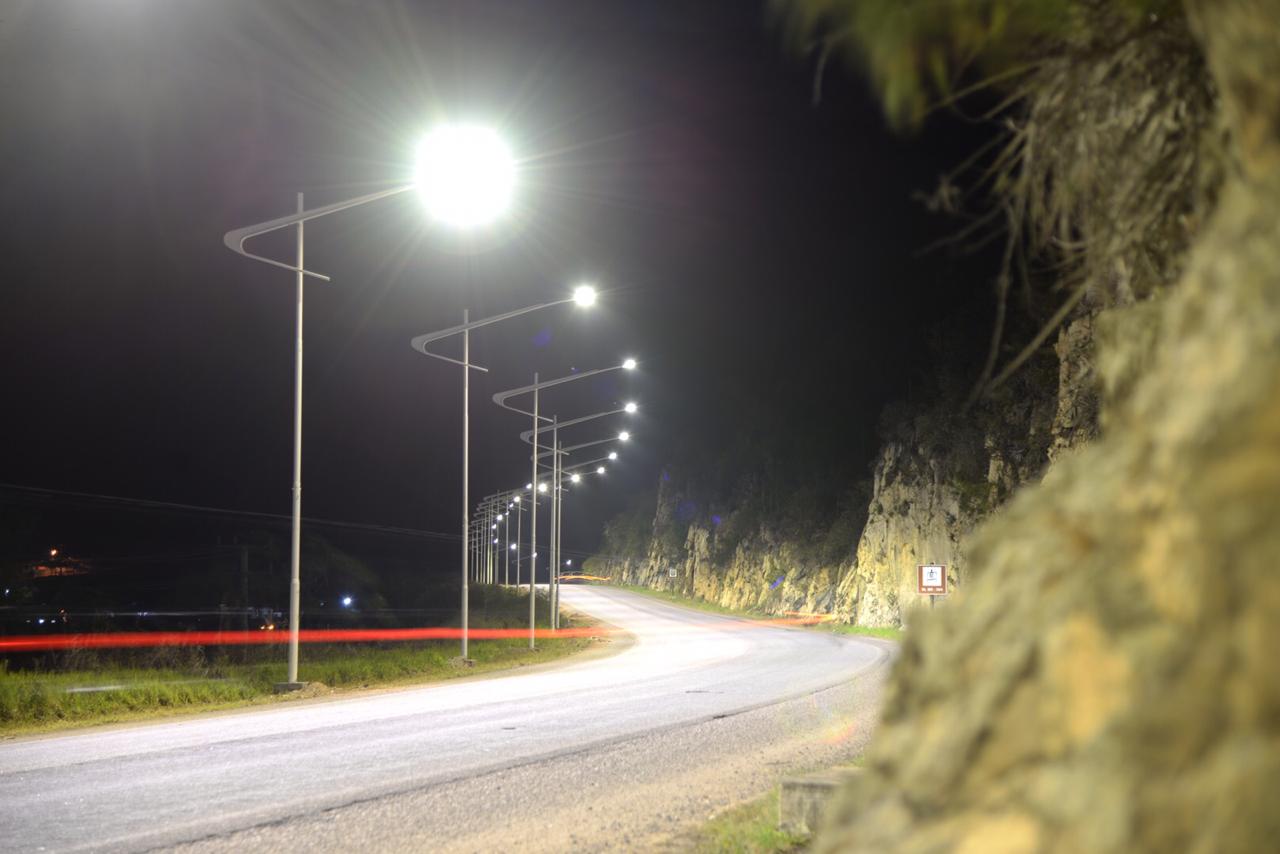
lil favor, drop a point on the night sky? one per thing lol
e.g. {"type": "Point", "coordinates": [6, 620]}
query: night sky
{"type": "Point", "coordinates": [759, 254]}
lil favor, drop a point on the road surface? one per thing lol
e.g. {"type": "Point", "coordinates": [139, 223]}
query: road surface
{"type": "Point", "coordinates": [607, 753]}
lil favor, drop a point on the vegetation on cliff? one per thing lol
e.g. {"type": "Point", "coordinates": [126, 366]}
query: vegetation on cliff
{"type": "Point", "coordinates": [1106, 679]}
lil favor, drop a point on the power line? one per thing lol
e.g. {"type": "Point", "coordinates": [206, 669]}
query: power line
{"type": "Point", "coordinates": [173, 506]}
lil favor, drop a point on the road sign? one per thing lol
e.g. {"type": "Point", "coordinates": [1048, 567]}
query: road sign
{"type": "Point", "coordinates": [931, 579]}
{"type": "Point", "coordinates": [671, 571]}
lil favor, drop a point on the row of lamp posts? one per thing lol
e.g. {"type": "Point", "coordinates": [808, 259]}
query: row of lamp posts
{"type": "Point", "coordinates": [465, 175]}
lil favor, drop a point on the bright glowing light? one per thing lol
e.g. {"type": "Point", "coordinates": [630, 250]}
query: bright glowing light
{"type": "Point", "coordinates": [53, 552]}
{"type": "Point", "coordinates": [542, 487]}
{"type": "Point", "coordinates": [629, 365]}
{"type": "Point", "coordinates": [624, 436]}
{"type": "Point", "coordinates": [575, 478]}
{"type": "Point", "coordinates": [517, 498]}
{"type": "Point", "coordinates": [584, 295]}
{"type": "Point", "coordinates": [569, 562]}
{"type": "Point", "coordinates": [493, 527]}
{"type": "Point", "coordinates": [498, 517]}
{"type": "Point", "coordinates": [528, 486]}
{"type": "Point", "coordinates": [512, 547]}
{"type": "Point", "coordinates": [600, 470]}
{"type": "Point", "coordinates": [346, 601]}
{"type": "Point", "coordinates": [613, 455]}
{"type": "Point", "coordinates": [495, 541]}
{"type": "Point", "coordinates": [630, 408]}
{"type": "Point", "coordinates": [465, 175]}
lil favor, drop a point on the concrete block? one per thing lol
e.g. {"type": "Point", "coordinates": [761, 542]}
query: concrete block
{"type": "Point", "coordinates": [286, 687]}
{"type": "Point", "coordinates": [804, 799]}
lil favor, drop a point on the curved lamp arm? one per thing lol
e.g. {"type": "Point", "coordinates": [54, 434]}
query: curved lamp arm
{"type": "Point", "coordinates": [501, 397]}
{"type": "Point", "coordinates": [527, 435]}
{"type": "Point", "coordinates": [235, 239]}
{"type": "Point", "coordinates": [420, 342]}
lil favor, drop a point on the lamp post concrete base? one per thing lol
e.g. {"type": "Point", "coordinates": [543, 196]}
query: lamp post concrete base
{"type": "Point", "coordinates": [286, 687]}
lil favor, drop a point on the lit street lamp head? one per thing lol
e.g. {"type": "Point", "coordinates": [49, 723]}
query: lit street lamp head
{"type": "Point", "coordinates": [600, 470]}
{"type": "Point", "coordinates": [584, 295]}
{"type": "Point", "coordinates": [465, 175]}
{"type": "Point", "coordinates": [629, 365]}
{"type": "Point", "coordinates": [542, 487]}
{"type": "Point", "coordinates": [613, 455]}
{"type": "Point", "coordinates": [624, 436]}
{"type": "Point", "coordinates": [575, 478]}
{"type": "Point", "coordinates": [630, 408]}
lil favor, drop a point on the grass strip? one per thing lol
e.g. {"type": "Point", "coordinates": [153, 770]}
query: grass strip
{"type": "Point", "coordinates": [750, 828]}
{"type": "Point", "coordinates": [195, 679]}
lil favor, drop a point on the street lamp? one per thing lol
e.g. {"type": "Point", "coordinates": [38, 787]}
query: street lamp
{"type": "Point", "coordinates": [584, 296]}
{"type": "Point", "coordinates": [558, 452]}
{"type": "Point", "coordinates": [465, 174]}
{"type": "Point", "coordinates": [463, 184]}
{"type": "Point", "coordinates": [501, 398]}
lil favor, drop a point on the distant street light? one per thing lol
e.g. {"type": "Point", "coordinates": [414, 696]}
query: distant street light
{"type": "Point", "coordinates": [466, 176]}
{"type": "Point", "coordinates": [583, 295]}
{"type": "Point", "coordinates": [501, 398]}
{"type": "Point", "coordinates": [558, 473]}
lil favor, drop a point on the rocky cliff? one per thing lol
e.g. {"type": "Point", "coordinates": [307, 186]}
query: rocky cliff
{"type": "Point", "coordinates": [939, 472]}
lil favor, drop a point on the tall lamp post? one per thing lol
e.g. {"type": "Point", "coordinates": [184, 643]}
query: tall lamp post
{"type": "Point", "coordinates": [583, 295]}
{"type": "Point", "coordinates": [501, 398]}
{"type": "Point", "coordinates": [466, 176]}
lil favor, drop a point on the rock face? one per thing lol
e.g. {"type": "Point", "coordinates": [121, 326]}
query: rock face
{"type": "Point", "coordinates": [1108, 678]}
{"type": "Point", "coordinates": [916, 517]}
{"type": "Point", "coordinates": [931, 484]}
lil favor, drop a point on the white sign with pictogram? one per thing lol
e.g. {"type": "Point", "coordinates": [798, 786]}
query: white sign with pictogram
{"type": "Point", "coordinates": [932, 579]}
{"type": "Point", "coordinates": [671, 571]}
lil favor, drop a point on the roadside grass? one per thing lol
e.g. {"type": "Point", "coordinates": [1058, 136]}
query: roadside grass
{"type": "Point", "coordinates": [884, 632]}
{"type": "Point", "coordinates": [208, 680]}
{"type": "Point", "coordinates": [750, 828]}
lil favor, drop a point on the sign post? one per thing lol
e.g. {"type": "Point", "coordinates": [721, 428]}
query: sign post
{"type": "Point", "coordinates": [931, 580]}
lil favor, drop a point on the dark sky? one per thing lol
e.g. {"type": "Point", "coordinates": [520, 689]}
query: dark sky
{"type": "Point", "coordinates": [759, 253]}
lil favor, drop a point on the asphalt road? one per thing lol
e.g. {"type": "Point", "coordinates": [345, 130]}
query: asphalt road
{"type": "Point", "coordinates": [605, 753]}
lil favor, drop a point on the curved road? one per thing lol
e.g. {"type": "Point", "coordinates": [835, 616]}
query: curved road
{"type": "Point", "coordinates": [697, 702]}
